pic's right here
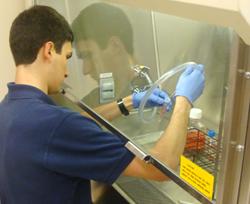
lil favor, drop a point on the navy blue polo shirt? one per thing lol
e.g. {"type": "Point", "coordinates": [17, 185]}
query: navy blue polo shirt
{"type": "Point", "coordinates": [48, 154]}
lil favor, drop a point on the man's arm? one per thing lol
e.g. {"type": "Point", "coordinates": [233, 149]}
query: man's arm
{"type": "Point", "coordinates": [111, 110]}
{"type": "Point", "coordinates": [170, 146]}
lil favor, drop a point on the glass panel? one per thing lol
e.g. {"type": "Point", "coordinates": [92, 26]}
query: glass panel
{"type": "Point", "coordinates": [178, 41]}
{"type": "Point", "coordinates": [103, 70]}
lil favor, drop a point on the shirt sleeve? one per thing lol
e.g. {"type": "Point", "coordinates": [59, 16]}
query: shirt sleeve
{"type": "Point", "coordinates": [80, 148]}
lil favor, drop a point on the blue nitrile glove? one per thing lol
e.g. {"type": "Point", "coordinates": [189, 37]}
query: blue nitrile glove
{"type": "Point", "coordinates": [191, 82]}
{"type": "Point", "coordinates": [157, 98]}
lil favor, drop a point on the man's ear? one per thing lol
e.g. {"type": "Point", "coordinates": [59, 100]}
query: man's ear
{"type": "Point", "coordinates": [48, 49]}
{"type": "Point", "coordinates": [116, 45]}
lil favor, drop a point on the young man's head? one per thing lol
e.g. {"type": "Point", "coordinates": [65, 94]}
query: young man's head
{"type": "Point", "coordinates": [103, 35]}
{"type": "Point", "coordinates": [41, 34]}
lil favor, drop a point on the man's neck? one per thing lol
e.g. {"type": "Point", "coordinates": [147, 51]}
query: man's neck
{"type": "Point", "coordinates": [125, 70]}
{"type": "Point", "coordinates": [27, 74]}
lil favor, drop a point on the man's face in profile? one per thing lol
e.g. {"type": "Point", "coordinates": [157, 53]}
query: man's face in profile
{"type": "Point", "coordinates": [95, 59]}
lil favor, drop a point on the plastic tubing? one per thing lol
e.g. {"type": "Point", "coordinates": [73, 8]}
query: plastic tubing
{"type": "Point", "coordinates": [162, 79]}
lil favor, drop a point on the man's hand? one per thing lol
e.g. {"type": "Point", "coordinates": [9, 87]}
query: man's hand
{"type": "Point", "coordinates": [157, 98]}
{"type": "Point", "coordinates": [191, 82]}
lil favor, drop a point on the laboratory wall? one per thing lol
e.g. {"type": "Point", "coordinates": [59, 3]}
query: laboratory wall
{"type": "Point", "coordinates": [8, 11]}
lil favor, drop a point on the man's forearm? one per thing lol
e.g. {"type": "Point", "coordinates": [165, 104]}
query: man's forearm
{"type": "Point", "coordinates": [111, 110]}
{"type": "Point", "coordinates": [171, 145]}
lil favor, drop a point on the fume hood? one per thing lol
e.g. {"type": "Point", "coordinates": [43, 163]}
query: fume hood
{"type": "Point", "coordinates": [164, 34]}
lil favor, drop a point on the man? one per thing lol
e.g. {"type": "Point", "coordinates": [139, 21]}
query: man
{"type": "Point", "coordinates": [49, 154]}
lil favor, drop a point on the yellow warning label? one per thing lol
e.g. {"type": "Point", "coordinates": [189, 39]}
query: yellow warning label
{"type": "Point", "coordinates": [197, 177]}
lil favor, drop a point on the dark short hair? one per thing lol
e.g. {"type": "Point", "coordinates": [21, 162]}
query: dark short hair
{"type": "Point", "coordinates": [99, 22]}
{"type": "Point", "coordinates": [34, 27]}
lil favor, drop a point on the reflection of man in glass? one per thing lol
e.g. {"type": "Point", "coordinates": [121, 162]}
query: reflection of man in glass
{"type": "Point", "coordinates": [104, 40]}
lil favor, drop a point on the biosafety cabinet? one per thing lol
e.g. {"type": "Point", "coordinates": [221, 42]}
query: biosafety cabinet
{"type": "Point", "coordinates": [130, 44]}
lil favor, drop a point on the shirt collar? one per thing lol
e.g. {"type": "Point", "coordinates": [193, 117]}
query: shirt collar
{"type": "Point", "coordinates": [22, 91]}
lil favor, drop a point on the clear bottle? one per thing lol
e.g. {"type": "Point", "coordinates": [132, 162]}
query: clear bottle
{"type": "Point", "coordinates": [196, 131]}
